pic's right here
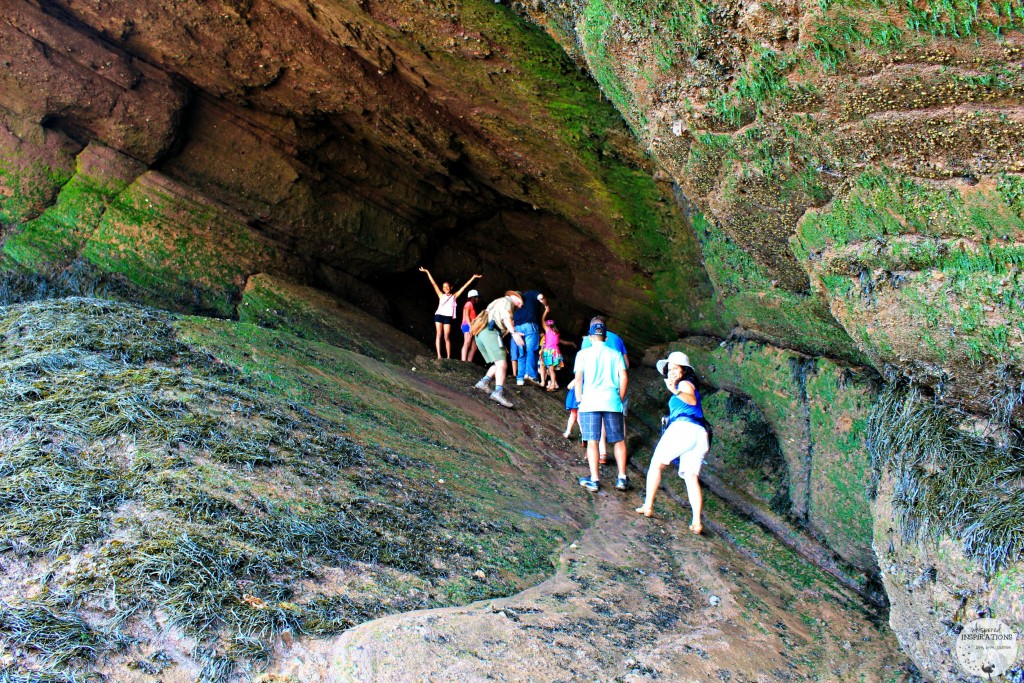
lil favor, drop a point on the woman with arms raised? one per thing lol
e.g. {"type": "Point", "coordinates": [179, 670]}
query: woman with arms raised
{"type": "Point", "coordinates": [444, 316]}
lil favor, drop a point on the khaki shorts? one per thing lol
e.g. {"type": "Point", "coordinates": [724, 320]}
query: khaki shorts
{"type": "Point", "coordinates": [489, 343]}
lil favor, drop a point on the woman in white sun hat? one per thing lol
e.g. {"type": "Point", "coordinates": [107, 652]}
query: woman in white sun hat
{"type": "Point", "coordinates": [685, 440]}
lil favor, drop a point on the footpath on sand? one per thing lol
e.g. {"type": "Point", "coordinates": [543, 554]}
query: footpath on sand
{"type": "Point", "coordinates": [631, 599]}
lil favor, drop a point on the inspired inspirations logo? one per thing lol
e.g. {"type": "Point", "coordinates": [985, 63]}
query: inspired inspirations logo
{"type": "Point", "coordinates": [986, 648]}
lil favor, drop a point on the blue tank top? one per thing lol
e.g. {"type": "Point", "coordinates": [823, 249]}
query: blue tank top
{"type": "Point", "coordinates": [678, 409]}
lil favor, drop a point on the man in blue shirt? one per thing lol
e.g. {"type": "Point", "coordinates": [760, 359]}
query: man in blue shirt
{"type": "Point", "coordinates": [614, 341]}
{"type": "Point", "coordinates": [527, 320]}
{"type": "Point", "coordinates": [601, 384]}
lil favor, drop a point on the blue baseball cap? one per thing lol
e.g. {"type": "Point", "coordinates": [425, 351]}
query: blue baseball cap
{"type": "Point", "coordinates": [597, 328]}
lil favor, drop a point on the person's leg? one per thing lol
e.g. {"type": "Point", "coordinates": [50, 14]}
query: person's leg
{"type": "Point", "coordinates": [619, 448]}
{"type": "Point", "coordinates": [653, 482]}
{"type": "Point", "coordinates": [467, 341]}
{"type": "Point", "coordinates": [500, 370]}
{"type": "Point", "coordinates": [518, 354]}
{"type": "Point", "coordinates": [472, 349]}
{"type": "Point", "coordinates": [602, 447]}
{"type": "Point", "coordinates": [543, 374]}
{"type": "Point", "coordinates": [613, 430]}
{"type": "Point", "coordinates": [690, 462]}
{"type": "Point", "coordinates": [493, 352]}
{"type": "Point", "coordinates": [590, 426]}
{"type": "Point", "coordinates": [552, 378]}
{"type": "Point", "coordinates": [665, 453]}
{"type": "Point", "coordinates": [569, 423]}
{"type": "Point", "coordinates": [592, 459]}
{"type": "Point", "coordinates": [696, 499]}
{"type": "Point", "coordinates": [532, 344]}
{"type": "Point", "coordinates": [448, 340]}
{"type": "Point", "coordinates": [437, 338]}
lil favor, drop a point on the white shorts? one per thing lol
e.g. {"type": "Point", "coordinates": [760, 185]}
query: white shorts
{"type": "Point", "coordinates": [684, 440]}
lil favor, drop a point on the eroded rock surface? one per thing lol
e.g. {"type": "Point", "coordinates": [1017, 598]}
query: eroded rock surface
{"type": "Point", "coordinates": [357, 139]}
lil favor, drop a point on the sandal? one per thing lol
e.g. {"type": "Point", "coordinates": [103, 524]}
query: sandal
{"type": "Point", "coordinates": [602, 459]}
{"type": "Point", "coordinates": [697, 528]}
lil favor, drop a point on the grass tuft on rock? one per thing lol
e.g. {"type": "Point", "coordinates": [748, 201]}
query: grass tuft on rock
{"type": "Point", "coordinates": [948, 480]}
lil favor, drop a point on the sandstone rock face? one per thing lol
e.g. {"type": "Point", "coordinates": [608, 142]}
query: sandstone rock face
{"type": "Point", "coordinates": [902, 123]}
{"type": "Point", "coordinates": [357, 139]}
{"type": "Point", "coordinates": [840, 182]}
{"type": "Point", "coordinates": [927, 279]}
{"type": "Point", "coordinates": [853, 173]}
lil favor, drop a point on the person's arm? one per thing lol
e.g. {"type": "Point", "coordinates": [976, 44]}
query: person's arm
{"type": "Point", "coordinates": [437, 289]}
{"type": "Point", "coordinates": [685, 391]}
{"type": "Point", "coordinates": [579, 386]}
{"type": "Point", "coordinates": [623, 383]}
{"type": "Point", "coordinates": [468, 283]}
{"type": "Point", "coordinates": [511, 327]}
{"type": "Point", "coordinates": [563, 342]}
{"type": "Point", "coordinates": [625, 358]}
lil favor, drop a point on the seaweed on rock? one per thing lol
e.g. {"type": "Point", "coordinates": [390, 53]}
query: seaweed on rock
{"type": "Point", "coordinates": [151, 477]}
{"type": "Point", "coordinates": [948, 480]}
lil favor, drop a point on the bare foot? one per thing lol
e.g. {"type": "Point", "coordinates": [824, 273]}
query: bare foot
{"type": "Point", "coordinates": [645, 511]}
{"type": "Point", "coordinates": [697, 528]}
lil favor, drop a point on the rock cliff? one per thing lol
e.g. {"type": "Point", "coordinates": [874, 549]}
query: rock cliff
{"type": "Point", "coordinates": [824, 201]}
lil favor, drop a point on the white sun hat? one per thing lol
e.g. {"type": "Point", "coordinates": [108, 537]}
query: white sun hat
{"type": "Point", "coordinates": [674, 358]}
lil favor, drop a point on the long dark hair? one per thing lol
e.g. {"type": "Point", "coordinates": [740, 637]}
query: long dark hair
{"type": "Point", "coordinates": [689, 375]}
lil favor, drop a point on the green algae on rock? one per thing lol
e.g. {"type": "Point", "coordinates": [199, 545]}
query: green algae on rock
{"type": "Point", "coordinates": [178, 246]}
{"type": "Point", "coordinates": [311, 314]}
{"type": "Point", "coordinates": [926, 278]}
{"type": "Point", "coordinates": [55, 238]}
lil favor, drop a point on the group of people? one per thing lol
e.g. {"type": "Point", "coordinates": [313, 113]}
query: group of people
{"type": "Point", "coordinates": [600, 388]}
{"type": "Point", "coordinates": [597, 394]}
{"type": "Point", "coordinates": [536, 348]}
